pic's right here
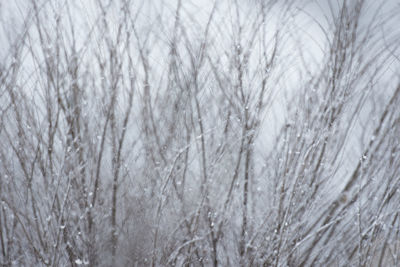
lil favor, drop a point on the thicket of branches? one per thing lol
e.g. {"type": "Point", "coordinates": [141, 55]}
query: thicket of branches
{"type": "Point", "coordinates": [247, 133]}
